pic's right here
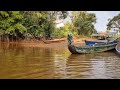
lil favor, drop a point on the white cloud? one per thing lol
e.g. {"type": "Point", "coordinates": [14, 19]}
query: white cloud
{"type": "Point", "coordinates": [102, 19]}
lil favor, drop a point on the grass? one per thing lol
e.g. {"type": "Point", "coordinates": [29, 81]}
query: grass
{"type": "Point", "coordinates": [83, 36]}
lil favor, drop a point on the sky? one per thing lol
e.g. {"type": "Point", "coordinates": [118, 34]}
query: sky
{"type": "Point", "coordinates": [102, 19]}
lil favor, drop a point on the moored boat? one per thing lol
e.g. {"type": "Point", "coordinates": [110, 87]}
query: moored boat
{"type": "Point", "coordinates": [54, 41]}
{"type": "Point", "coordinates": [100, 41]}
{"type": "Point", "coordinates": [103, 39]}
{"type": "Point", "coordinates": [93, 42]}
{"type": "Point", "coordinates": [89, 48]}
{"type": "Point", "coordinates": [117, 48]}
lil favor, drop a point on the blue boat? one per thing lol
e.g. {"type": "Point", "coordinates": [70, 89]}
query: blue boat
{"type": "Point", "coordinates": [93, 42]}
{"type": "Point", "coordinates": [103, 39]}
{"type": "Point", "coordinates": [89, 48]}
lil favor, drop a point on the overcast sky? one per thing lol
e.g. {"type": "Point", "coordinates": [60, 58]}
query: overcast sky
{"type": "Point", "coordinates": [102, 19]}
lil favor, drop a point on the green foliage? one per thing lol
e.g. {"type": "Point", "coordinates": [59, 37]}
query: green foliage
{"type": "Point", "coordinates": [11, 21]}
{"type": "Point", "coordinates": [83, 36]}
{"type": "Point", "coordinates": [107, 30]}
{"type": "Point", "coordinates": [38, 24]}
{"type": "Point", "coordinates": [83, 22]}
{"type": "Point", "coordinates": [42, 23]}
{"type": "Point", "coordinates": [115, 21]}
{"type": "Point", "coordinates": [59, 32]}
{"type": "Point", "coordinates": [64, 31]}
{"type": "Point", "coordinates": [52, 17]}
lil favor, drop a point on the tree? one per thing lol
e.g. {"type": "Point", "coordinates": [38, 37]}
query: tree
{"type": "Point", "coordinates": [83, 22]}
{"type": "Point", "coordinates": [15, 25]}
{"type": "Point", "coordinates": [52, 17]}
{"type": "Point", "coordinates": [63, 31]}
{"type": "Point", "coordinates": [114, 23]}
{"type": "Point", "coordinates": [11, 24]}
{"type": "Point", "coordinates": [35, 22]}
{"type": "Point", "coordinates": [42, 23]}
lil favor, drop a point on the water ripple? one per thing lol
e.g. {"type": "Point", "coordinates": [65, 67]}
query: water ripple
{"type": "Point", "coordinates": [45, 63]}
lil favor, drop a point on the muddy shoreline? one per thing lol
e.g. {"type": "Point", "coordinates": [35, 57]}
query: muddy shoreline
{"type": "Point", "coordinates": [56, 44]}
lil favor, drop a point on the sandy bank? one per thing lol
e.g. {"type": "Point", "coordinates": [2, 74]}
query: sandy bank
{"type": "Point", "coordinates": [52, 43]}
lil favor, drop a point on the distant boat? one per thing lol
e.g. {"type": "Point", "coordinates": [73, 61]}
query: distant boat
{"type": "Point", "coordinates": [105, 39]}
{"type": "Point", "coordinates": [53, 41]}
{"type": "Point", "coordinates": [100, 41]}
{"type": "Point", "coordinates": [89, 48]}
{"type": "Point", "coordinates": [117, 48]}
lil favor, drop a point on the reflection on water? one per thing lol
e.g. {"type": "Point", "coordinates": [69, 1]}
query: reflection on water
{"type": "Point", "coordinates": [99, 65]}
{"type": "Point", "coordinates": [44, 63]}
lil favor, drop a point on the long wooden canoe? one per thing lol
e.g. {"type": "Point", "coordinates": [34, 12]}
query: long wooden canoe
{"type": "Point", "coordinates": [53, 41]}
{"type": "Point", "coordinates": [89, 48]}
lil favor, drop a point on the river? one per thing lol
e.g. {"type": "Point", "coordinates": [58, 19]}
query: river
{"type": "Point", "coordinates": [18, 62]}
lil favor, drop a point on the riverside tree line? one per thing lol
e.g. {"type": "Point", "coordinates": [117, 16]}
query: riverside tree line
{"type": "Point", "coordinates": [27, 25]}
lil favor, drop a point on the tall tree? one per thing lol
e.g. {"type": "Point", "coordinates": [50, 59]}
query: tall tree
{"type": "Point", "coordinates": [35, 22]}
{"type": "Point", "coordinates": [42, 22]}
{"type": "Point", "coordinates": [11, 24]}
{"type": "Point", "coordinates": [84, 22]}
{"type": "Point", "coordinates": [52, 17]}
{"type": "Point", "coordinates": [30, 24]}
{"type": "Point", "coordinates": [114, 23]}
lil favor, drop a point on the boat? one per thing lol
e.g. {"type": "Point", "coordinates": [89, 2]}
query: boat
{"type": "Point", "coordinates": [94, 42]}
{"type": "Point", "coordinates": [89, 48]}
{"type": "Point", "coordinates": [54, 41]}
{"type": "Point", "coordinates": [109, 40]}
{"type": "Point", "coordinates": [117, 48]}
{"type": "Point", "coordinates": [104, 39]}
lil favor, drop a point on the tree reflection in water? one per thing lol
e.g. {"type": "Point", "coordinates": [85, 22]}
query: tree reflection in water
{"type": "Point", "coordinates": [46, 63]}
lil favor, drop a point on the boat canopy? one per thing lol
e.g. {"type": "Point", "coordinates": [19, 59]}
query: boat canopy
{"type": "Point", "coordinates": [104, 35]}
{"type": "Point", "coordinates": [99, 35]}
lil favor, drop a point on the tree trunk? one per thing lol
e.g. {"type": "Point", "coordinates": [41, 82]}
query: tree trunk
{"type": "Point", "coordinates": [48, 33]}
{"type": "Point", "coordinates": [7, 38]}
{"type": "Point", "coordinates": [78, 32]}
{"type": "Point", "coordinates": [12, 38]}
{"type": "Point", "coordinates": [0, 38]}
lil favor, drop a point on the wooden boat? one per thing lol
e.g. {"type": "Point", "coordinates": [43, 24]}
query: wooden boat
{"type": "Point", "coordinates": [117, 48]}
{"type": "Point", "coordinates": [53, 41]}
{"type": "Point", "coordinates": [89, 48]}
{"type": "Point", "coordinates": [94, 42]}
{"type": "Point", "coordinates": [105, 39]}
{"type": "Point", "coordinates": [100, 41]}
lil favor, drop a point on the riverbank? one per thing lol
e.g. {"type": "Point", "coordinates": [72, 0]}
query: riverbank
{"type": "Point", "coordinates": [56, 43]}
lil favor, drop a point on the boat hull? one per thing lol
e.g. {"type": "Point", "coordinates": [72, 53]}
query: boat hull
{"type": "Point", "coordinates": [91, 49]}
{"type": "Point", "coordinates": [117, 48]}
